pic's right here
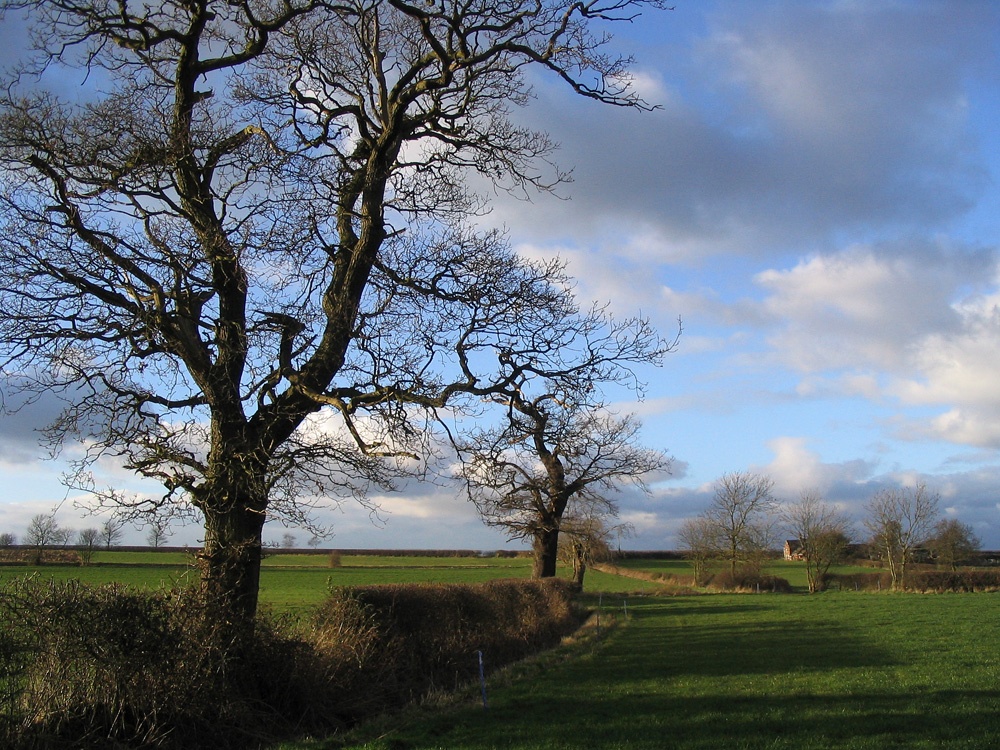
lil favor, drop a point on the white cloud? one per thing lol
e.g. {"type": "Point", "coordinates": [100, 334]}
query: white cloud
{"type": "Point", "coordinates": [795, 469]}
{"type": "Point", "coordinates": [866, 306]}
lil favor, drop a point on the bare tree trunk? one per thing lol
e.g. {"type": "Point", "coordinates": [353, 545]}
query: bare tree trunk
{"type": "Point", "coordinates": [235, 508]}
{"type": "Point", "coordinates": [231, 559]}
{"type": "Point", "coordinates": [546, 548]}
{"type": "Point", "coordinates": [579, 569]}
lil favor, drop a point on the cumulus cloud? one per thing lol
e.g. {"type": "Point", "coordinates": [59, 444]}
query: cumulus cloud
{"type": "Point", "coordinates": [917, 325]}
{"type": "Point", "coordinates": [795, 469]}
{"type": "Point", "coordinates": [868, 306]}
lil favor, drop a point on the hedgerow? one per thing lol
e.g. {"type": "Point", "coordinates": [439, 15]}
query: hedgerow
{"type": "Point", "coordinates": [960, 580]}
{"type": "Point", "coordinates": [87, 667]}
{"type": "Point", "coordinates": [395, 643]}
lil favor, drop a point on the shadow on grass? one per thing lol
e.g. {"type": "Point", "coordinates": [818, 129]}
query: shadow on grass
{"type": "Point", "coordinates": [953, 719]}
{"type": "Point", "coordinates": [731, 674]}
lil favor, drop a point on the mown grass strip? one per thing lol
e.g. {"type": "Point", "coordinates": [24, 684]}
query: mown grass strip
{"type": "Point", "coordinates": [827, 671]}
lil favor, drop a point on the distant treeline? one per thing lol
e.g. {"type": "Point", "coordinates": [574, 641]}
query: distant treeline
{"type": "Point", "coordinates": [983, 557]}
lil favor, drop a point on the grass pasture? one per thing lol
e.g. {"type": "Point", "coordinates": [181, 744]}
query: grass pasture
{"type": "Point", "coordinates": [835, 670]}
{"type": "Point", "coordinates": [693, 672]}
{"type": "Point", "coordinates": [296, 582]}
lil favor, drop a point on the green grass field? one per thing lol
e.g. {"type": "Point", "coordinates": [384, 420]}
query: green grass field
{"type": "Point", "coordinates": [833, 670]}
{"type": "Point", "coordinates": [295, 583]}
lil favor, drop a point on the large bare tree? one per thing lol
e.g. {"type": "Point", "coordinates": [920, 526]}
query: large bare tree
{"type": "Point", "coordinates": [252, 214]}
{"type": "Point", "coordinates": [557, 445]}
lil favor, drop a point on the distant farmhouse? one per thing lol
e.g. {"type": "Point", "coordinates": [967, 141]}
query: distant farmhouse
{"type": "Point", "coordinates": [793, 550]}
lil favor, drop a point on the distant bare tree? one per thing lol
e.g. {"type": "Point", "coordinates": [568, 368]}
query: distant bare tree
{"type": "Point", "coordinates": [899, 521]}
{"type": "Point", "coordinates": [42, 532]}
{"type": "Point", "coordinates": [557, 444]}
{"type": "Point", "coordinates": [526, 475]}
{"type": "Point", "coordinates": [111, 532]}
{"type": "Point", "coordinates": [288, 541]}
{"type": "Point", "coordinates": [7, 539]}
{"type": "Point", "coordinates": [700, 540]}
{"type": "Point", "coordinates": [585, 537]}
{"type": "Point", "coordinates": [158, 532]}
{"type": "Point", "coordinates": [742, 518]}
{"type": "Point", "coordinates": [63, 536]}
{"type": "Point", "coordinates": [87, 542]}
{"type": "Point", "coordinates": [953, 543]}
{"type": "Point", "coordinates": [823, 533]}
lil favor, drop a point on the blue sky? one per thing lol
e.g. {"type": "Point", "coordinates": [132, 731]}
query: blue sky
{"type": "Point", "coordinates": [817, 199]}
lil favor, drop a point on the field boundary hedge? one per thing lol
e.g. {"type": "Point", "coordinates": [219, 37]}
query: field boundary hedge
{"type": "Point", "coordinates": [98, 667]}
{"type": "Point", "coordinates": [396, 643]}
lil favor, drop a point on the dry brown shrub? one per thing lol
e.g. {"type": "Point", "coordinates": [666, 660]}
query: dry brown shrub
{"type": "Point", "coordinates": [390, 644]}
{"type": "Point", "coordinates": [749, 581]}
{"type": "Point", "coordinates": [87, 667]}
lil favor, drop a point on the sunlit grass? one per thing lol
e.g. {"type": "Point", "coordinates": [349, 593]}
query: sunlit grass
{"type": "Point", "coordinates": [729, 671]}
{"type": "Point", "coordinates": [297, 582]}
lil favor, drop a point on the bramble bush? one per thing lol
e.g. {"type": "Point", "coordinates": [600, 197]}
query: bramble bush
{"type": "Point", "coordinates": [86, 667]}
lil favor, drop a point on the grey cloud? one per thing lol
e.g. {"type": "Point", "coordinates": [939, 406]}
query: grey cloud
{"type": "Point", "coordinates": [21, 420]}
{"type": "Point", "coordinates": [888, 146]}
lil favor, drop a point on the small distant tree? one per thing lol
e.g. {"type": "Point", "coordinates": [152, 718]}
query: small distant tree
{"type": "Point", "coordinates": [314, 541]}
{"type": "Point", "coordinates": [953, 543]}
{"type": "Point", "coordinates": [700, 541]}
{"type": "Point", "coordinates": [87, 541]}
{"type": "Point", "coordinates": [288, 541]}
{"type": "Point", "coordinates": [742, 519]}
{"type": "Point", "coordinates": [158, 532]}
{"type": "Point", "coordinates": [823, 534]}
{"type": "Point", "coordinates": [7, 539]}
{"type": "Point", "coordinates": [111, 533]}
{"type": "Point", "coordinates": [62, 536]}
{"type": "Point", "coordinates": [585, 538]}
{"type": "Point", "coordinates": [42, 532]}
{"type": "Point", "coordinates": [899, 521]}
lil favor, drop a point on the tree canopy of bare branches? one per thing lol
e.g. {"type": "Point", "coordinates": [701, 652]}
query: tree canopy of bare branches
{"type": "Point", "coordinates": [741, 517]}
{"type": "Point", "coordinates": [899, 521]}
{"type": "Point", "coordinates": [953, 543]}
{"type": "Point", "coordinates": [823, 534]}
{"type": "Point", "coordinates": [254, 216]}
{"type": "Point", "coordinates": [557, 447]}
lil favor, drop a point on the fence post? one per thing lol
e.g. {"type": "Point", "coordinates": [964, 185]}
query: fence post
{"type": "Point", "coordinates": [482, 681]}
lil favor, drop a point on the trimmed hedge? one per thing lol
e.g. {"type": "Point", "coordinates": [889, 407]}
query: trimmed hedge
{"type": "Point", "coordinates": [749, 581]}
{"type": "Point", "coordinates": [881, 581]}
